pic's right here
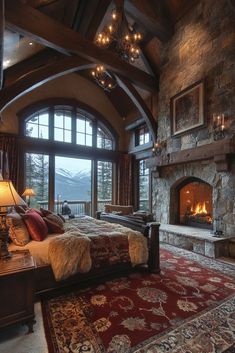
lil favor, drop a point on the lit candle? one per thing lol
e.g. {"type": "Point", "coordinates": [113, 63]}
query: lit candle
{"type": "Point", "coordinates": [222, 120]}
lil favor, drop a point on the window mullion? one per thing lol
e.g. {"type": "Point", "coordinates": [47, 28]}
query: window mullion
{"type": "Point", "coordinates": [51, 123]}
{"type": "Point", "coordinates": [94, 133]}
{"type": "Point", "coordinates": [94, 191]}
{"type": "Point", "coordinates": [51, 181]}
{"type": "Point", "coordinates": [74, 125]}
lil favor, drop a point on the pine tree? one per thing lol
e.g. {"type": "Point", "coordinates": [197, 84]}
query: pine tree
{"type": "Point", "coordinates": [104, 180]}
{"type": "Point", "coordinates": [37, 176]}
{"type": "Point", "coordinates": [41, 176]}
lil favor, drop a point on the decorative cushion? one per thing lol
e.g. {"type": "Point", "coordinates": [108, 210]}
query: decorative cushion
{"type": "Point", "coordinates": [125, 210]}
{"type": "Point", "coordinates": [45, 212]}
{"type": "Point", "coordinates": [36, 226]}
{"type": "Point", "coordinates": [62, 217]}
{"type": "Point", "coordinates": [17, 229]}
{"type": "Point", "coordinates": [54, 223]}
{"type": "Point", "coordinates": [36, 210]}
{"type": "Point", "coordinates": [21, 209]}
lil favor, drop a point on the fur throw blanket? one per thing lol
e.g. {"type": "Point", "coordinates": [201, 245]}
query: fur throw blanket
{"type": "Point", "coordinates": [69, 253]}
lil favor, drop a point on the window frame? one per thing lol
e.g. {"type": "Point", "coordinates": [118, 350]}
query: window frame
{"type": "Point", "coordinates": [149, 184]}
{"type": "Point", "coordinates": [52, 147]}
{"type": "Point", "coordinates": [76, 108]}
{"type": "Point", "coordinates": [138, 135]}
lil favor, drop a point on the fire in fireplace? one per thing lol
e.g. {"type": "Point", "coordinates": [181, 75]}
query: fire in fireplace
{"type": "Point", "coordinates": [195, 199]}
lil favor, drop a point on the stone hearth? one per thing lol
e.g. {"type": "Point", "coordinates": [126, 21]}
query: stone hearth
{"type": "Point", "coordinates": [197, 240]}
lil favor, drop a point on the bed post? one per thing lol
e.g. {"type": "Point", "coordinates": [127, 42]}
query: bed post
{"type": "Point", "coordinates": [97, 214]}
{"type": "Point", "coordinates": [153, 246]}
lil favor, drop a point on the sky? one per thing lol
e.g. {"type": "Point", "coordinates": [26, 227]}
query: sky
{"type": "Point", "coordinates": [73, 165]}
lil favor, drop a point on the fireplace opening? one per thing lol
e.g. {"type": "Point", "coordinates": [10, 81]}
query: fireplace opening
{"type": "Point", "coordinates": [195, 204]}
{"type": "Point", "coordinates": [191, 203]}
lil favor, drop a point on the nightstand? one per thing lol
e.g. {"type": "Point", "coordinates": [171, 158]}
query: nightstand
{"type": "Point", "coordinates": [17, 289]}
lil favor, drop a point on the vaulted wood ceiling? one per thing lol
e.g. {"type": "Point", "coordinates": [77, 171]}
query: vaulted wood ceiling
{"type": "Point", "coordinates": [65, 31]}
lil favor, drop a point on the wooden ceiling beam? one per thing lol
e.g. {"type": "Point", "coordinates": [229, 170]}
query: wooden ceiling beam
{"type": "Point", "coordinates": [35, 78]}
{"type": "Point", "coordinates": [27, 65]}
{"type": "Point", "coordinates": [178, 8]}
{"type": "Point", "coordinates": [38, 3]}
{"type": "Point", "coordinates": [140, 105]}
{"type": "Point", "coordinates": [2, 27]}
{"type": "Point", "coordinates": [50, 33]}
{"type": "Point", "coordinates": [45, 73]}
{"type": "Point", "coordinates": [82, 16]}
{"type": "Point", "coordinates": [143, 13]}
{"type": "Point", "coordinates": [97, 18]}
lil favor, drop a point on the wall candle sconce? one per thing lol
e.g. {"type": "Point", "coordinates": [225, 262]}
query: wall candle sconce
{"type": "Point", "coordinates": [158, 147]}
{"type": "Point", "coordinates": [218, 126]}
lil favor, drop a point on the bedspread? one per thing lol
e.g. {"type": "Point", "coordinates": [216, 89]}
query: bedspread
{"type": "Point", "coordinates": [89, 243]}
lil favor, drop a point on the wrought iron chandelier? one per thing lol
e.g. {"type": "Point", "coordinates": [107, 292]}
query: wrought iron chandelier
{"type": "Point", "coordinates": [121, 35]}
{"type": "Point", "coordinates": [104, 78]}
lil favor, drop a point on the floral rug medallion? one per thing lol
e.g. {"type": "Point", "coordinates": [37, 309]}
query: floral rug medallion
{"type": "Point", "coordinates": [188, 308]}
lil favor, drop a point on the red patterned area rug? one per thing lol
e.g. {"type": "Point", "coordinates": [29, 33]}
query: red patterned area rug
{"type": "Point", "coordinates": [188, 308]}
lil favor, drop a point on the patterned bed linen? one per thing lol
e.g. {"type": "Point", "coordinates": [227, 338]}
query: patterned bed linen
{"type": "Point", "coordinates": [109, 244]}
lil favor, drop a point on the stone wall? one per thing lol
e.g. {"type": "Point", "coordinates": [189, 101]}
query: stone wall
{"type": "Point", "coordinates": [203, 47]}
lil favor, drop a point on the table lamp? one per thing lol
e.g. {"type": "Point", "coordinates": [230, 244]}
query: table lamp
{"type": "Point", "coordinates": [8, 198]}
{"type": "Point", "coordinates": [28, 193]}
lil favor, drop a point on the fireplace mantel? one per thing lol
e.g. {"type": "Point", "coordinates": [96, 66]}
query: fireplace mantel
{"type": "Point", "coordinates": [219, 151]}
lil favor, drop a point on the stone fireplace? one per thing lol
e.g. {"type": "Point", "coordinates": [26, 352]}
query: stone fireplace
{"type": "Point", "coordinates": [195, 186]}
{"type": "Point", "coordinates": [191, 203]}
{"type": "Point", "coordinates": [190, 195]}
{"type": "Point", "coordinates": [194, 155]}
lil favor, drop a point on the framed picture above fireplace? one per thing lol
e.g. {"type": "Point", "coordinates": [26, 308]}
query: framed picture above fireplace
{"type": "Point", "coordinates": [187, 109]}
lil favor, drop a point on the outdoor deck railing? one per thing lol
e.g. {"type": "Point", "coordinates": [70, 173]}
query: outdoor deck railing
{"type": "Point", "coordinates": [84, 207]}
{"type": "Point", "coordinates": [76, 206]}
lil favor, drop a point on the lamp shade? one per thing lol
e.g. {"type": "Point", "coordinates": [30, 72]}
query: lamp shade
{"type": "Point", "coordinates": [28, 192]}
{"type": "Point", "coordinates": [8, 195]}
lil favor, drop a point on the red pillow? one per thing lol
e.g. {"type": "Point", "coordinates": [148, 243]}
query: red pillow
{"type": "Point", "coordinates": [36, 226]}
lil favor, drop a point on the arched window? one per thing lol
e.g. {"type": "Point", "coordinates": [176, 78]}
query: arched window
{"type": "Point", "coordinates": [38, 125]}
{"type": "Point", "coordinates": [70, 125]}
{"type": "Point", "coordinates": [68, 154]}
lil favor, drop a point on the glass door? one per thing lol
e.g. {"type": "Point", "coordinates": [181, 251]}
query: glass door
{"type": "Point", "coordinates": [72, 186]}
{"type": "Point", "coordinates": [36, 178]}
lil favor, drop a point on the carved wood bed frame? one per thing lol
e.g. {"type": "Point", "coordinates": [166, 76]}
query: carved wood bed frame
{"type": "Point", "coordinates": [44, 277]}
